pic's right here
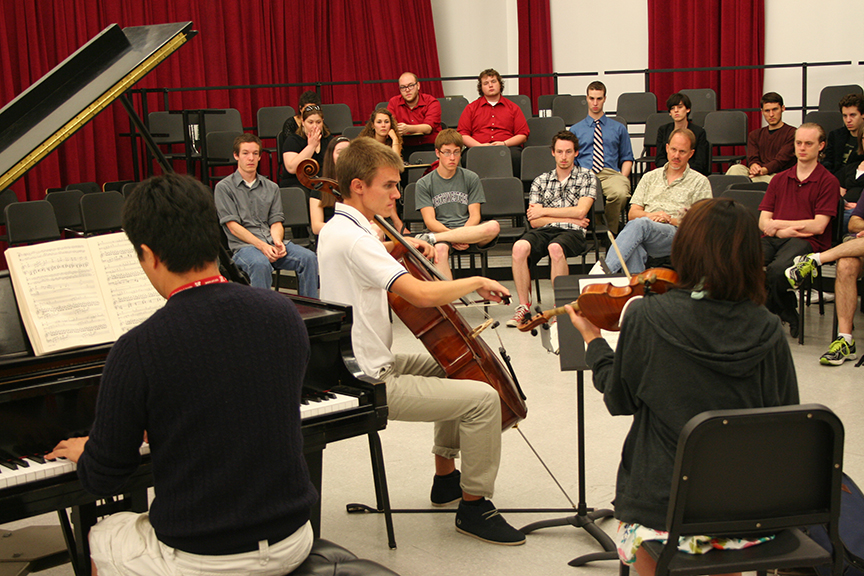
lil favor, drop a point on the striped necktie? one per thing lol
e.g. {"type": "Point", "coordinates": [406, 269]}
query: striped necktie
{"type": "Point", "coordinates": [597, 158]}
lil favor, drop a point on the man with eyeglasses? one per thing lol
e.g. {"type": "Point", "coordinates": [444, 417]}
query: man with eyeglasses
{"type": "Point", "coordinates": [418, 116]}
{"type": "Point", "coordinates": [449, 199]}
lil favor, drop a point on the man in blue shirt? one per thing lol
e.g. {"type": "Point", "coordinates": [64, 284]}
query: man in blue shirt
{"type": "Point", "coordinates": [605, 149]}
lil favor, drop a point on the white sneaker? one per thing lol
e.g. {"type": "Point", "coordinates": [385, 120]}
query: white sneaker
{"type": "Point", "coordinates": [522, 315]}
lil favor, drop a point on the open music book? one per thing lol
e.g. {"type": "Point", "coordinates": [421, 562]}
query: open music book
{"type": "Point", "coordinates": [81, 291]}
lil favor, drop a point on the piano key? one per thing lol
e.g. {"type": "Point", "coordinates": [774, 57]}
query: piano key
{"type": "Point", "coordinates": [338, 403]}
{"type": "Point", "coordinates": [48, 469]}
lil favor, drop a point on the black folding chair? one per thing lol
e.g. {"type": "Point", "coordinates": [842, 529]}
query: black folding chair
{"type": "Point", "coordinates": [754, 472]}
{"type": "Point", "coordinates": [101, 213]}
{"type": "Point", "coordinates": [31, 222]}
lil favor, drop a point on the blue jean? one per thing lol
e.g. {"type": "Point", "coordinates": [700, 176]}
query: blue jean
{"type": "Point", "coordinates": [640, 239]}
{"type": "Point", "coordinates": [299, 259]}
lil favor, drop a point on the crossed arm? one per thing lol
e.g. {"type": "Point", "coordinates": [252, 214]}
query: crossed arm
{"type": "Point", "coordinates": [539, 216]}
{"type": "Point", "coordinates": [792, 228]}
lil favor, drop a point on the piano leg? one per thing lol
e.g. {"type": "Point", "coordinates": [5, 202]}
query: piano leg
{"type": "Point", "coordinates": [382, 495]}
{"type": "Point", "coordinates": [83, 517]}
{"type": "Point", "coordinates": [314, 462]}
{"type": "Point", "coordinates": [69, 537]}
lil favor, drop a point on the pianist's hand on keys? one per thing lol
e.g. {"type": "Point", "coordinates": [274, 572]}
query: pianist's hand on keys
{"type": "Point", "coordinates": [70, 449]}
{"type": "Point", "coordinates": [33, 468]}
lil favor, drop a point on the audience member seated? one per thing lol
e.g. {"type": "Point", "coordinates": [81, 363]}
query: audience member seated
{"type": "Point", "coordinates": [449, 199]}
{"type": "Point", "coordinates": [217, 371]}
{"type": "Point", "coordinates": [795, 217]}
{"type": "Point", "coordinates": [493, 120]}
{"type": "Point", "coordinates": [418, 116]}
{"type": "Point", "coordinates": [309, 141]}
{"type": "Point", "coordinates": [321, 204]}
{"type": "Point", "coordinates": [679, 109]}
{"type": "Point", "coordinates": [250, 212]}
{"type": "Point", "coordinates": [308, 98]}
{"type": "Point", "coordinates": [842, 142]}
{"type": "Point", "coordinates": [707, 344]}
{"type": "Point", "coordinates": [849, 257]}
{"type": "Point", "coordinates": [382, 127]}
{"type": "Point", "coordinates": [661, 199]}
{"type": "Point", "coordinates": [770, 149]}
{"type": "Point", "coordinates": [851, 178]}
{"type": "Point", "coordinates": [559, 209]}
{"type": "Point", "coordinates": [605, 150]}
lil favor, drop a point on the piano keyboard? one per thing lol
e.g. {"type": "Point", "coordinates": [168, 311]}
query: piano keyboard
{"type": "Point", "coordinates": [326, 403]}
{"type": "Point", "coordinates": [313, 405]}
{"type": "Point", "coordinates": [41, 470]}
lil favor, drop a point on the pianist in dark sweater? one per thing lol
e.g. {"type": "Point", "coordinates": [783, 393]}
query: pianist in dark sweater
{"type": "Point", "coordinates": [214, 378]}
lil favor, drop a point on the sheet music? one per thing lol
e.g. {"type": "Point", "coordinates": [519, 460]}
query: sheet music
{"type": "Point", "coordinates": [610, 337]}
{"type": "Point", "coordinates": [130, 297]}
{"type": "Point", "coordinates": [60, 286]}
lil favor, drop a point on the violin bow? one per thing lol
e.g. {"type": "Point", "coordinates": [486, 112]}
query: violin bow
{"type": "Point", "coordinates": [618, 252]}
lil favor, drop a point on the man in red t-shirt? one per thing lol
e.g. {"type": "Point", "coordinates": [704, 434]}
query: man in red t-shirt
{"type": "Point", "coordinates": [493, 120]}
{"type": "Point", "coordinates": [795, 218]}
{"type": "Point", "coordinates": [418, 116]}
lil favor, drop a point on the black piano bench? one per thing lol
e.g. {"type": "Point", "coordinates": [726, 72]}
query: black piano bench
{"type": "Point", "coordinates": [329, 559]}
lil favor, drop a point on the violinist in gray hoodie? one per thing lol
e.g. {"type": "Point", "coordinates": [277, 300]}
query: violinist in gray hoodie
{"type": "Point", "coordinates": [707, 344]}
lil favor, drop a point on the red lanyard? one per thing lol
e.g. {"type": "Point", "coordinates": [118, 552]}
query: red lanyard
{"type": "Point", "coordinates": [203, 282]}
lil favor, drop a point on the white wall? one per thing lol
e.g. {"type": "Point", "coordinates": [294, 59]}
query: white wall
{"type": "Point", "coordinates": [617, 41]}
{"type": "Point", "coordinates": [477, 34]}
{"type": "Point", "coordinates": [473, 35]}
{"type": "Point", "coordinates": [835, 34]}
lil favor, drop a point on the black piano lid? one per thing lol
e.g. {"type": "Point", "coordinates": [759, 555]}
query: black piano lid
{"type": "Point", "coordinates": [62, 101]}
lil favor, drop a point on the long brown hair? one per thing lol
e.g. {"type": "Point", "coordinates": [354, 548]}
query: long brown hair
{"type": "Point", "coordinates": [329, 169]}
{"type": "Point", "coordinates": [718, 249]}
{"type": "Point", "coordinates": [369, 129]}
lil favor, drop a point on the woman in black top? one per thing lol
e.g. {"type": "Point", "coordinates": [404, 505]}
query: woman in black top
{"type": "Point", "coordinates": [707, 344]}
{"type": "Point", "coordinates": [309, 141]}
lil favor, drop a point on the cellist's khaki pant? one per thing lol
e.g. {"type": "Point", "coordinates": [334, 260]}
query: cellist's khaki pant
{"type": "Point", "coordinates": [466, 413]}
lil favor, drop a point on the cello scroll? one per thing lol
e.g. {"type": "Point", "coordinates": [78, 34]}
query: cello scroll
{"type": "Point", "coordinates": [306, 172]}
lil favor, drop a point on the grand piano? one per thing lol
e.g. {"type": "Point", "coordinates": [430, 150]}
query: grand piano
{"type": "Point", "coordinates": [48, 398]}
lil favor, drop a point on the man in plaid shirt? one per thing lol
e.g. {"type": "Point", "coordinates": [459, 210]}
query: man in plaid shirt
{"type": "Point", "coordinates": [657, 206]}
{"type": "Point", "coordinates": [558, 209]}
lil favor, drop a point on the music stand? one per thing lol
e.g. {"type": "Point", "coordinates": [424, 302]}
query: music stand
{"type": "Point", "coordinates": [572, 357]}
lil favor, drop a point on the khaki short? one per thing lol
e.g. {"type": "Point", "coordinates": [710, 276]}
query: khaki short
{"type": "Point", "coordinates": [125, 544]}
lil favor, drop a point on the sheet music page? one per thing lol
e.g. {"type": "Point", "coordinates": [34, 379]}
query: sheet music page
{"type": "Point", "coordinates": [58, 295]}
{"type": "Point", "coordinates": [610, 337]}
{"type": "Point", "coordinates": [129, 296]}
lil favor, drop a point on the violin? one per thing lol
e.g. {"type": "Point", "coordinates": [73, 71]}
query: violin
{"type": "Point", "coordinates": [602, 304]}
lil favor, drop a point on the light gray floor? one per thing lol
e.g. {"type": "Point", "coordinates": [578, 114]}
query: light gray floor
{"type": "Point", "coordinates": [428, 543]}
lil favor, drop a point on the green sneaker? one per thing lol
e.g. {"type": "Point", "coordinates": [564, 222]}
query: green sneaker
{"type": "Point", "coordinates": [838, 352]}
{"type": "Point", "coordinates": [802, 266]}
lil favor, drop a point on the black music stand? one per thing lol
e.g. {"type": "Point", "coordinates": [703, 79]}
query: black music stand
{"type": "Point", "coordinates": [572, 357]}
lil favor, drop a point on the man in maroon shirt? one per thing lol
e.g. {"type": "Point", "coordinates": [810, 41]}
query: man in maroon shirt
{"type": "Point", "coordinates": [795, 218]}
{"type": "Point", "coordinates": [493, 120]}
{"type": "Point", "coordinates": [770, 149]}
{"type": "Point", "coordinates": [418, 116]}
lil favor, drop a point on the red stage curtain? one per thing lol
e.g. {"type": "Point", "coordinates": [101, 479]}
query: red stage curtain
{"type": "Point", "coordinates": [249, 42]}
{"type": "Point", "coordinates": [687, 34]}
{"type": "Point", "coordinates": [535, 48]}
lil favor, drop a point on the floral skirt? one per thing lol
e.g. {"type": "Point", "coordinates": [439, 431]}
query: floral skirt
{"type": "Point", "coordinates": [631, 537]}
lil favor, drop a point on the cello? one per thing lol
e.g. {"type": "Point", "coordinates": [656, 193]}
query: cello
{"type": "Point", "coordinates": [457, 348]}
